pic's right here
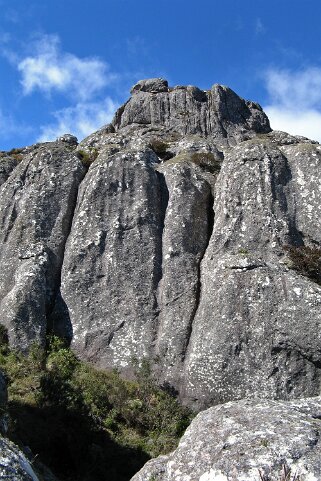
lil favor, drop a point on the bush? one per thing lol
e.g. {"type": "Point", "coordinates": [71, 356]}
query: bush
{"type": "Point", "coordinates": [16, 154]}
{"type": "Point", "coordinates": [87, 158]}
{"type": "Point", "coordinates": [207, 161]}
{"type": "Point", "coordinates": [85, 423]}
{"type": "Point", "coordinates": [161, 149]}
{"type": "Point", "coordinates": [306, 260]}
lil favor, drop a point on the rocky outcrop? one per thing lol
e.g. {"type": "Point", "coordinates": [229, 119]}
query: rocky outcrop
{"type": "Point", "coordinates": [14, 466]}
{"type": "Point", "coordinates": [256, 331]}
{"type": "Point", "coordinates": [163, 235]}
{"type": "Point", "coordinates": [246, 440]}
{"type": "Point", "coordinates": [36, 209]}
{"type": "Point", "coordinates": [218, 112]}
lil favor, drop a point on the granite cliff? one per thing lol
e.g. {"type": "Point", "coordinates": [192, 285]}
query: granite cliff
{"type": "Point", "coordinates": [164, 236]}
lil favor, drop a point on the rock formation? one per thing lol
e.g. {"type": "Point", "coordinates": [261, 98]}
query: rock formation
{"type": "Point", "coordinates": [14, 466]}
{"type": "Point", "coordinates": [163, 236]}
{"type": "Point", "coordinates": [246, 440]}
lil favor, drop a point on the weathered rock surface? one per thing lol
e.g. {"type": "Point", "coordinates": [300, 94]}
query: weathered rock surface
{"type": "Point", "coordinates": [14, 466]}
{"type": "Point", "coordinates": [218, 112]}
{"type": "Point", "coordinates": [36, 209]}
{"type": "Point", "coordinates": [112, 263]}
{"type": "Point", "coordinates": [174, 248]}
{"type": "Point", "coordinates": [239, 440]}
{"type": "Point", "coordinates": [256, 330]}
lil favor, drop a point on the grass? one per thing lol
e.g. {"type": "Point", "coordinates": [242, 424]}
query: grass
{"type": "Point", "coordinates": [205, 160]}
{"type": "Point", "coordinates": [87, 158]}
{"type": "Point", "coordinates": [85, 423]}
{"type": "Point", "coordinates": [16, 154]}
{"type": "Point", "coordinates": [160, 148]}
{"type": "Point", "coordinates": [306, 260]}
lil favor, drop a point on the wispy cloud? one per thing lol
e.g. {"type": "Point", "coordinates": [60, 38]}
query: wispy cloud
{"type": "Point", "coordinates": [50, 69]}
{"type": "Point", "coordinates": [259, 27]}
{"type": "Point", "coordinates": [295, 101]}
{"type": "Point", "coordinates": [80, 120]}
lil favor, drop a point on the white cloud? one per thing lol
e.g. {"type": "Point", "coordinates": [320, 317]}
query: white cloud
{"type": "Point", "coordinates": [80, 120]}
{"type": "Point", "coordinates": [295, 101]}
{"type": "Point", "coordinates": [50, 69]}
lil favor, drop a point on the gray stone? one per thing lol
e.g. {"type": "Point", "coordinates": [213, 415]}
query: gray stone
{"type": "Point", "coordinates": [68, 139]}
{"type": "Point", "coordinates": [7, 164]}
{"type": "Point", "coordinates": [246, 441]}
{"type": "Point", "coordinates": [153, 85]}
{"type": "Point", "coordinates": [218, 112]}
{"type": "Point", "coordinates": [185, 237]}
{"type": "Point", "coordinates": [175, 247]}
{"type": "Point", "coordinates": [256, 330]}
{"type": "Point", "coordinates": [14, 466]}
{"type": "Point", "coordinates": [36, 209]}
{"type": "Point", "coordinates": [112, 263]}
{"type": "Point", "coordinates": [205, 289]}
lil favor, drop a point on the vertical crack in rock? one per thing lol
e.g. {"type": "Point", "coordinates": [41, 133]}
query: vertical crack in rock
{"type": "Point", "coordinates": [211, 215]}
{"type": "Point", "coordinates": [164, 199]}
{"type": "Point", "coordinates": [185, 239]}
{"type": "Point", "coordinates": [58, 319]}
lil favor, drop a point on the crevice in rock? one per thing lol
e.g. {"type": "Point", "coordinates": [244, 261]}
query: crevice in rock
{"type": "Point", "coordinates": [56, 302]}
{"type": "Point", "coordinates": [280, 199]}
{"type": "Point", "coordinates": [210, 221]}
{"type": "Point", "coordinates": [164, 198]}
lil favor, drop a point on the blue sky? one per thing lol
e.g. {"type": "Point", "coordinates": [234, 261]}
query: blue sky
{"type": "Point", "coordinates": [66, 65]}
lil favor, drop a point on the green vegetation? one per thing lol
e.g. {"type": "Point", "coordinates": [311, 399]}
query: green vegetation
{"type": "Point", "coordinates": [306, 260]}
{"type": "Point", "coordinates": [87, 158]}
{"type": "Point", "coordinates": [85, 423]}
{"type": "Point", "coordinates": [16, 154]}
{"type": "Point", "coordinates": [161, 149]}
{"type": "Point", "coordinates": [205, 160]}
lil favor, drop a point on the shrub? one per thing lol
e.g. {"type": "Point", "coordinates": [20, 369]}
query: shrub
{"type": "Point", "coordinates": [85, 423]}
{"type": "Point", "coordinates": [87, 158]}
{"type": "Point", "coordinates": [306, 260]}
{"type": "Point", "coordinates": [207, 161]}
{"type": "Point", "coordinates": [161, 149]}
{"type": "Point", "coordinates": [16, 154]}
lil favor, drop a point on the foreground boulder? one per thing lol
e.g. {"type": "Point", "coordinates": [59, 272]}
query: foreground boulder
{"type": "Point", "coordinates": [246, 441]}
{"type": "Point", "coordinates": [14, 466]}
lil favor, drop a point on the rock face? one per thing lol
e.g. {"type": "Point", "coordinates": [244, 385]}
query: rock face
{"type": "Point", "coordinates": [239, 440]}
{"type": "Point", "coordinates": [36, 209]}
{"type": "Point", "coordinates": [218, 112]}
{"type": "Point", "coordinates": [14, 466]}
{"type": "Point", "coordinates": [163, 235]}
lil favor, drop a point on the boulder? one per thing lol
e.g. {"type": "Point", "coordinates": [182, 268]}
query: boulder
{"type": "Point", "coordinates": [246, 441]}
{"type": "Point", "coordinates": [14, 466]}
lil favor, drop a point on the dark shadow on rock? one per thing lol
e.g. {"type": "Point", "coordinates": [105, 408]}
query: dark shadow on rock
{"type": "Point", "coordinates": [71, 446]}
{"type": "Point", "coordinates": [58, 321]}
